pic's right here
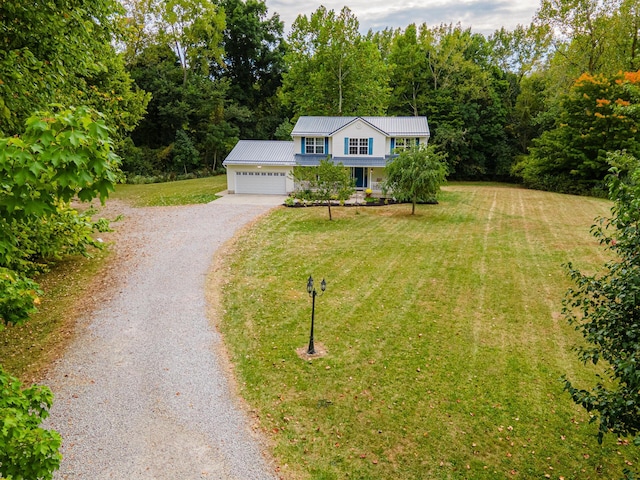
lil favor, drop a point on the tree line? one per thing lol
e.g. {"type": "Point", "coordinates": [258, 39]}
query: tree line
{"type": "Point", "coordinates": [180, 81]}
{"type": "Point", "coordinates": [497, 104]}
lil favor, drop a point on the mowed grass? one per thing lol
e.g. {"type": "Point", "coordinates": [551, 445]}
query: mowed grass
{"type": "Point", "coordinates": [445, 345]}
{"type": "Point", "coordinates": [181, 192]}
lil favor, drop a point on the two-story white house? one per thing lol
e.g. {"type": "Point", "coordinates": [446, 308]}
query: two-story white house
{"type": "Point", "coordinates": [363, 144]}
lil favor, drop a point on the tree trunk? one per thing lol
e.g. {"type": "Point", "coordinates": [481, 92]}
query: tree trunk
{"type": "Point", "coordinates": [329, 205]}
{"type": "Point", "coordinates": [413, 208]}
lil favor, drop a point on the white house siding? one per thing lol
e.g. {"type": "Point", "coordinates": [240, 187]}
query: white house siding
{"type": "Point", "coordinates": [259, 180]}
{"type": "Point", "coordinates": [376, 176]}
{"type": "Point", "coordinates": [360, 129]}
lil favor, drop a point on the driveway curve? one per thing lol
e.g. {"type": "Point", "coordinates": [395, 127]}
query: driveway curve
{"type": "Point", "coordinates": [142, 392]}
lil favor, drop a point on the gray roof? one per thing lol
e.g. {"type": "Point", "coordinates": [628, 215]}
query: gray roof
{"type": "Point", "coordinates": [261, 152]}
{"type": "Point", "coordinates": [391, 126]}
{"type": "Point", "coordinates": [314, 161]}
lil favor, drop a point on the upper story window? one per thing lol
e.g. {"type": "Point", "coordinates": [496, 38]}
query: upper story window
{"type": "Point", "coordinates": [405, 143]}
{"type": "Point", "coordinates": [358, 146]}
{"type": "Point", "coordinates": [314, 145]}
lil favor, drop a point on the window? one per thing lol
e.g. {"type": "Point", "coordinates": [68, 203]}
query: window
{"type": "Point", "coordinates": [314, 145]}
{"type": "Point", "coordinates": [405, 143]}
{"type": "Point", "coordinates": [358, 146]}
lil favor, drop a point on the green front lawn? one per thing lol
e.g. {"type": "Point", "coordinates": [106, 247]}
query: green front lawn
{"type": "Point", "coordinates": [443, 336]}
{"type": "Point", "coordinates": [181, 192]}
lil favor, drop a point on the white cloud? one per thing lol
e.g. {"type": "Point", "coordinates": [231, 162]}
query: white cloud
{"type": "Point", "coordinates": [483, 16]}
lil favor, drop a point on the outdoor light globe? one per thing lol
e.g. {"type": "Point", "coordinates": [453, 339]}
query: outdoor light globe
{"type": "Point", "coordinates": [323, 285]}
{"type": "Point", "coordinates": [310, 285]}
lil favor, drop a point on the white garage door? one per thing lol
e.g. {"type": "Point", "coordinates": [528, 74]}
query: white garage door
{"type": "Point", "coordinates": [271, 183]}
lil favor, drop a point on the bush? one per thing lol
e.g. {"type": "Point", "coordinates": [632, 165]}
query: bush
{"type": "Point", "coordinates": [27, 451]}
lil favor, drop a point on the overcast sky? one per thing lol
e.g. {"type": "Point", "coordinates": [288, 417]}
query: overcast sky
{"type": "Point", "coordinates": [483, 16]}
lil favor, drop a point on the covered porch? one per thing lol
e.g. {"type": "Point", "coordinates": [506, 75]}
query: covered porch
{"type": "Point", "coordinates": [367, 172]}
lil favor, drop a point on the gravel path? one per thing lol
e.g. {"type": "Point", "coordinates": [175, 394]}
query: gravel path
{"type": "Point", "coordinates": [141, 393]}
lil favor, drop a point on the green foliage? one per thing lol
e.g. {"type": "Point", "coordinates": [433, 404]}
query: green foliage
{"type": "Point", "coordinates": [27, 451]}
{"type": "Point", "coordinates": [325, 183]}
{"type": "Point", "coordinates": [185, 154]}
{"type": "Point", "coordinates": [446, 73]}
{"type": "Point", "coordinates": [193, 28]}
{"type": "Point", "coordinates": [416, 175]}
{"type": "Point", "coordinates": [197, 106]}
{"type": "Point", "coordinates": [18, 298]}
{"type": "Point", "coordinates": [599, 115]}
{"type": "Point", "coordinates": [253, 62]}
{"type": "Point", "coordinates": [333, 69]}
{"type": "Point", "coordinates": [59, 156]}
{"type": "Point", "coordinates": [604, 309]}
{"type": "Point", "coordinates": [62, 52]}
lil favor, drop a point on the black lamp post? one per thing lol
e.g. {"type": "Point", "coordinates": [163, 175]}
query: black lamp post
{"type": "Point", "coordinates": [313, 294]}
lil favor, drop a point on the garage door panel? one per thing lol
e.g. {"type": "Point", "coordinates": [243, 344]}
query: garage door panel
{"type": "Point", "coordinates": [270, 183]}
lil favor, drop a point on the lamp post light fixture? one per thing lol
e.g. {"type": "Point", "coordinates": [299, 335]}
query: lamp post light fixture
{"type": "Point", "coordinates": [313, 294]}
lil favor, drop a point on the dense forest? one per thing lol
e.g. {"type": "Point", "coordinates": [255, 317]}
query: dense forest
{"type": "Point", "coordinates": [180, 81]}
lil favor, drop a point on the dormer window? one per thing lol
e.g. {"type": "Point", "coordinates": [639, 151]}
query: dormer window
{"type": "Point", "coordinates": [315, 145]}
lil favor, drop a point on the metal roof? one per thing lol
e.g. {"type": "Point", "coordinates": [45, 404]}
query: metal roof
{"type": "Point", "coordinates": [261, 152]}
{"type": "Point", "coordinates": [314, 161]}
{"type": "Point", "coordinates": [391, 126]}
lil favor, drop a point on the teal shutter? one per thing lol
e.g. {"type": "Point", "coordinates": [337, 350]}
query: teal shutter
{"type": "Point", "coordinates": [304, 145]}
{"type": "Point", "coordinates": [417, 142]}
{"type": "Point", "coordinates": [346, 145]}
{"type": "Point", "coordinates": [370, 146]}
{"type": "Point", "coordinates": [326, 145]}
{"type": "Point", "coordinates": [393, 144]}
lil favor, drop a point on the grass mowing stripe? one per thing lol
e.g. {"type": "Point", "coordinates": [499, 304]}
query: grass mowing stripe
{"type": "Point", "coordinates": [444, 344]}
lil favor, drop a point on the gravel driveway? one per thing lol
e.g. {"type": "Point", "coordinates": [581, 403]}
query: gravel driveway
{"type": "Point", "coordinates": [142, 392]}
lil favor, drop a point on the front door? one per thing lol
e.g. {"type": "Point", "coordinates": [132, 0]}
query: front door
{"type": "Point", "coordinates": [360, 175]}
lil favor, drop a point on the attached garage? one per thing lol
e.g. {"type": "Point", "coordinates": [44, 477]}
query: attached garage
{"type": "Point", "coordinates": [262, 182]}
{"type": "Point", "coordinates": [260, 167]}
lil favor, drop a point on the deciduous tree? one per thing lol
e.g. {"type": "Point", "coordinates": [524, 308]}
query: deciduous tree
{"type": "Point", "coordinates": [604, 309]}
{"type": "Point", "coordinates": [193, 29]}
{"type": "Point", "coordinates": [416, 175]}
{"type": "Point", "coordinates": [325, 183]}
{"type": "Point", "coordinates": [600, 115]}
{"type": "Point", "coordinates": [253, 62]}
{"type": "Point", "coordinates": [59, 156]}
{"type": "Point", "coordinates": [62, 52]}
{"type": "Point", "coordinates": [333, 69]}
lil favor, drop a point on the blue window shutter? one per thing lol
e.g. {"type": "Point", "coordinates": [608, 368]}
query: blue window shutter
{"type": "Point", "coordinates": [346, 145]}
{"type": "Point", "coordinates": [417, 141]}
{"type": "Point", "coordinates": [326, 145]}
{"type": "Point", "coordinates": [370, 146]}
{"type": "Point", "coordinates": [304, 145]}
{"type": "Point", "coordinates": [393, 144]}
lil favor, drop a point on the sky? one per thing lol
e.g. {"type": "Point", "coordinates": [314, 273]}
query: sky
{"type": "Point", "coordinates": [482, 16]}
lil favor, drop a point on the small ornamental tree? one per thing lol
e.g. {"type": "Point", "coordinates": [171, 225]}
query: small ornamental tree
{"type": "Point", "coordinates": [605, 309]}
{"type": "Point", "coordinates": [326, 182]}
{"type": "Point", "coordinates": [416, 175]}
{"type": "Point", "coordinates": [26, 449]}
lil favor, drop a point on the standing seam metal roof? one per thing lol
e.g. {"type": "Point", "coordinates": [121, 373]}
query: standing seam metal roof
{"type": "Point", "coordinates": [261, 152]}
{"type": "Point", "coordinates": [392, 126]}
